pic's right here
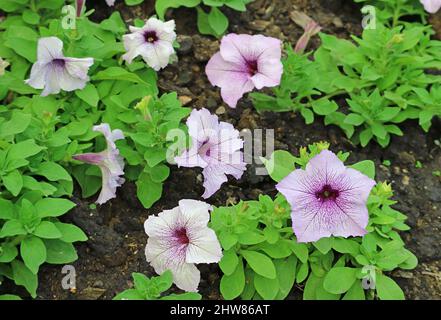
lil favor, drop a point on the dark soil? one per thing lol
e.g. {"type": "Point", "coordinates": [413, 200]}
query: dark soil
{"type": "Point", "coordinates": [116, 238]}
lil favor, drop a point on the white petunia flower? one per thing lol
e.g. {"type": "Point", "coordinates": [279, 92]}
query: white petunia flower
{"type": "Point", "coordinates": [179, 238]}
{"type": "Point", "coordinates": [109, 161]}
{"type": "Point", "coordinates": [54, 72]}
{"type": "Point", "coordinates": [154, 42]}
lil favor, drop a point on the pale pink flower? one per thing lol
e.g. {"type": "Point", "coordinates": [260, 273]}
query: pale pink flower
{"type": "Point", "coordinates": [243, 63]}
{"type": "Point", "coordinates": [431, 6]}
{"type": "Point", "coordinates": [109, 161]}
{"type": "Point", "coordinates": [327, 199]}
{"type": "Point", "coordinates": [178, 239]}
{"type": "Point", "coordinates": [110, 3]}
{"type": "Point", "coordinates": [216, 147]}
{"type": "Point", "coordinates": [54, 72]}
{"type": "Point", "coordinates": [311, 28]}
{"type": "Point", "coordinates": [153, 42]}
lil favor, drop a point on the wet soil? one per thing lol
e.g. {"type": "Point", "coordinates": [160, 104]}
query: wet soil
{"type": "Point", "coordinates": [116, 238]}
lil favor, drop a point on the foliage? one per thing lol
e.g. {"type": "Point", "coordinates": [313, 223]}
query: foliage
{"type": "Point", "coordinates": [382, 75]}
{"type": "Point", "coordinates": [153, 288]}
{"type": "Point", "coordinates": [262, 258]}
{"type": "Point", "coordinates": [214, 22]}
{"type": "Point", "coordinates": [392, 12]}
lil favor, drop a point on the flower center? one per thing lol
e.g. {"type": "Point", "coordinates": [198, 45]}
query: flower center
{"type": "Point", "coordinates": [252, 67]}
{"type": "Point", "coordinates": [59, 62]}
{"type": "Point", "coordinates": [327, 193]}
{"type": "Point", "coordinates": [204, 150]}
{"type": "Point", "coordinates": [150, 36]}
{"type": "Point", "coordinates": [181, 236]}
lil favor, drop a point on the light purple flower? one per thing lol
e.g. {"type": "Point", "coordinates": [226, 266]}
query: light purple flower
{"type": "Point", "coordinates": [216, 147]}
{"type": "Point", "coordinates": [243, 63]}
{"type": "Point", "coordinates": [110, 3]}
{"type": "Point", "coordinates": [431, 6]}
{"type": "Point", "coordinates": [179, 238]}
{"type": "Point", "coordinates": [109, 161]}
{"type": "Point", "coordinates": [327, 199]}
{"type": "Point", "coordinates": [54, 72]}
{"type": "Point", "coordinates": [154, 42]}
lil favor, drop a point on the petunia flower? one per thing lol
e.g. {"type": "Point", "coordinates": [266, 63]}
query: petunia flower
{"type": "Point", "coordinates": [327, 199]}
{"type": "Point", "coordinates": [110, 3]}
{"type": "Point", "coordinates": [243, 63]}
{"type": "Point", "coordinates": [309, 26]}
{"type": "Point", "coordinates": [154, 42]}
{"type": "Point", "coordinates": [109, 161]}
{"type": "Point", "coordinates": [431, 6]}
{"type": "Point", "coordinates": [54, 72]}
{"type": "Point", "coordinates": [178, 239]}
{"type": "Point", "coordinates": [216, 147]}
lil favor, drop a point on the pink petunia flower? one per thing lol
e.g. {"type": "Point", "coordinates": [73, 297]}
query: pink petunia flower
{"type": "Point", "coordinates": [243, 63]}
{"type": "Point", "coordinates": [109, 161]}
{"type": "Point", "coordinates": [216, 147]}
{"type": "Point", "coordinates": [154, 42]}
{"type": "Point", "coordinates": [178, 239]}
{"type": "Point", "coordinates": [54, 72]}
{"type": "Point", "coordinates": [431, 6]}
{"type": "Point", "coordinates": [327, 199]}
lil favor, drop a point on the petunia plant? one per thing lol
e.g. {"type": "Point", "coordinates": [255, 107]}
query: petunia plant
{"type": "Point", "coordinates": [153, 288]}
{"type": "Point", "coordinates": [265, 253]}
{"type": "Point", "coordinates": [381, 77]}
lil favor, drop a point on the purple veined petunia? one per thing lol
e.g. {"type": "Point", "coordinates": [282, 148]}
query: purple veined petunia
{"type": "Point", "coordinates": [153, 42]}
{"type": "Point", "coordinates": [109, 161]}
{"type": "Point", "coordinates": [54, 72]}
{"type": "Point", "coordinates": [180, 238]}
{"type": "Point", "coordinates": [243, 63]}
{"type": "Point", "coordinates": [431, 6]}
{"type": "Point", "coordinates": [216, 147]}
{"type": "Point", "coordinates": [327, 199]}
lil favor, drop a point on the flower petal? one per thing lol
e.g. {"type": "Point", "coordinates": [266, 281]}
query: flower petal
{"type": "Point", "coordinates": [213, 179]}
{"type": "Point", "coordinates": [431, 6]}
{"type": "Point", "coordinates": [232, 78]}
{"type": "Point", "coordinates": [204, 247]}
{"type": "Point", "coordinates": [49, 48]}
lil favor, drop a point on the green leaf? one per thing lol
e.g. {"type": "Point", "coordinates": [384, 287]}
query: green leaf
{"type": "Point", "coordinates": [89, 95]}
{"type": "Point", "coordinates": [53, 172]}
{"type": "Point", "coordinates": [260, 263]}
{"type": "Point", "coordinates": [13, 182]}
{"type": "Point", "coordinates": [12, 228]}
{"type": "Point", "coordinates": [130, 294]}
{"type": "Point", "coordinates": [52, 207]}
{"type": "Point", "coordinates": [30, 17]}
{"type": "Point", "coordinates": [229, 262]}
{"type": "Point", "coordinates": [60, 252]}
{"type": "Point", "coordinates": [356, 292]}
{"type": "Point", "coordinates": [388, 289]}
{"type": "Point", "coordinates": [70, 233]}
{"type": "Point", "coordinates": [231, 286]}
{"type": "Point", "coordinates": [279, 165]}
{"type": "Point", "coordinates": [17, 124]}
{"type": "Point", "coordinates": [267, 288]}
{"type": "Point", "coordinates": [339, 280]}
{"type": "Point", "coordinates": [6, 209]}
{"type": "Point", "coordinates": [286, 275]}
{"type": "Point", "coordinates": [24, 277]}
{"type": "Point", "coordinates": [33, 252]}
{"type": "Point", "coordinates": [324, 107]}
{"type": "Point", "coordinates": [47, 230]}
{"type": "Point", "coordinates": [354, 119]}
{"type": "Point", "coordinates": [118, 73]}
{"type": "Point", "coordinates": [148, 191]}
{"type": "Point", "coordinates": [366, 167]}
{"type": "Point", "coordinates": [218, 21]}
{"type": "Point", "coordinates": [161, 6]}
{"type": "Point", "coordinates": [323, 245]}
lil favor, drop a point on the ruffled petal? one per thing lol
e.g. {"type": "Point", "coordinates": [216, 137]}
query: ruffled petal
{"type": "Point", "coordinates": [213, 179]}
{"type": "Point", "coordinates": [204, 247]}
{"type": "Point", "coordinates": [48, 49]}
